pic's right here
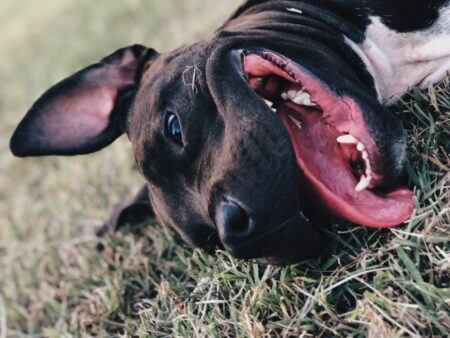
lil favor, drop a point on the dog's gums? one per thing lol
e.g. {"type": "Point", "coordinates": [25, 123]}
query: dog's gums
{"type": "Point", "coordinates": [337, 157]}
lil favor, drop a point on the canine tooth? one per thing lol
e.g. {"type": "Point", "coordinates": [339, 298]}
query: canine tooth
{"type": "Point", "coordinates": [360, 146]}
{"type": "Point", "coordinates": [284, 96]}
{"type": "Point", "coordinates": [363, 183]}
{"type": "Point", "coordinates": [347, 139]}
{"type": "Point", "coordinates": [365, 155]}
{"type": "Point", "coordinates": [269, 103]}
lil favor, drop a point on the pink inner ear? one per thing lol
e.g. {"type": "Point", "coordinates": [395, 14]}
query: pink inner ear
{"type": "Point", "coordinates": [74, 116]}
{"type": "Point", "coordinates": [80, 116]}
{"type": "Point", "coordinates": [84, 112]}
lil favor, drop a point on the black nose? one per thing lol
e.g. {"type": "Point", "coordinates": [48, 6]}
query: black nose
{"type": "Point", "coordinates": [233, 222]}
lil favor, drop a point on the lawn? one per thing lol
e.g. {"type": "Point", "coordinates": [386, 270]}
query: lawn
{"type": "Point", "coordinates": [54, 282]}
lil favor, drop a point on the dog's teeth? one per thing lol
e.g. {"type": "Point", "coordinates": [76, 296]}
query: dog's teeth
{"type": "Point", "coordinates": [365, 156]}
{"type": "Point", "coordinates": [303, 98]}
{"type": "Point", "coordinates": [300, 98]}
{"type": "Point", "coordinates": [309, 103]}
{"type": "Point", "coordinates": [274, 110]}
{"type": "Point", "coordinates": [284, 96]}
{"type": "Point", "coordinates": [347, 139]}
{"type": "Point", "coordinates": [307, 99]}
{"type": "Point", "coordinates": [291, 94]}
{"type": "Point", "coordinates": [365, 180]}
{"type": "Point", "coordinates": [364, 183]}
{"type": "Point", "coordinates": [269, 103]}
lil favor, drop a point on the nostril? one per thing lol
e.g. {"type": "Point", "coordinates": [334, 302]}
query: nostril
{"type": "Point", "coordinates": [238, 220]}
{"type": "Point", "coordinates": [232, 221]}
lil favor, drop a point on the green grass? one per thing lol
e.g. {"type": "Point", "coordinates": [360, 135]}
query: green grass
{"type": "Point", "coordinates": [53, 281]}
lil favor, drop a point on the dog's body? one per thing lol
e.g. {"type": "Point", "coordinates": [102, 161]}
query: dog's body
{"type": "Point", "coordinates": [222, 169]}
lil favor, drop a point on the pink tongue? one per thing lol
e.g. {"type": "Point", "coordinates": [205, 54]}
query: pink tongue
{"type": "Point", "coordinates": [330, 178]}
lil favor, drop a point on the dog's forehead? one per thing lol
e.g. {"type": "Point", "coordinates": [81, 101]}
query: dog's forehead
{"type": "Point", "coordinates": [175, 81]}
{"type": "Point", "coordinates": [168, 66]}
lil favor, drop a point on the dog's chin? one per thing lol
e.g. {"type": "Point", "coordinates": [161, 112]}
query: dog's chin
{"type": "Point", "coordinates": [204, 237]}
{"type": "Point", "coordinates": [293, 241]}
{"type": "Point", "coordinates": [340, 164]}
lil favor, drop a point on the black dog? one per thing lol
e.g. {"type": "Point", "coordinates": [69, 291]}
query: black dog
{"type": "Point", "coordinates": [277, 115]}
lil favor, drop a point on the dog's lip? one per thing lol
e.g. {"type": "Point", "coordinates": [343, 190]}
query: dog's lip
{"type": "Point", "coordinates": [270, 232]}
{"type": "Point", "coordinates": [345, 114]}
{"type": "Point", "coordinates": [251, 248]}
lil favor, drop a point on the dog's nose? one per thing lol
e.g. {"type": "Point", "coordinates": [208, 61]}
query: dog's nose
{"type": "Point", "coordinates": [233, 222]}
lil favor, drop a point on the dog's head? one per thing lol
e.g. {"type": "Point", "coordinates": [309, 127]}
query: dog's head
{"type": "Point", "coordinates": [235, 144]}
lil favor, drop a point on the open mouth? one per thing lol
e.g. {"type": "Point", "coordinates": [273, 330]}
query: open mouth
{"type": "Point", "coordinates": [338, 159]}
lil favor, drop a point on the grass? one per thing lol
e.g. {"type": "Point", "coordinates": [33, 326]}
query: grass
{"type": "Point", "coordinates": [54, 283]}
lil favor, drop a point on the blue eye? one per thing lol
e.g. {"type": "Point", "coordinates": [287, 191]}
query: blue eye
{"type": "Point", "coordinates": [173, 128]}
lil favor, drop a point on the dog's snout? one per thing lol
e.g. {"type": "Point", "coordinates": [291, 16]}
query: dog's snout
{"type": "Point", "coordinates": [233, 222]}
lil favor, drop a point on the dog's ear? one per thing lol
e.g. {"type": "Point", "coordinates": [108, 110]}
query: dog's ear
{"type": "Point", "coordinates": [85, 112]}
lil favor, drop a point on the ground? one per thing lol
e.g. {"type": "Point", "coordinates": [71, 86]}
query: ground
{"type": "Point", "coordinates": [54, 282]}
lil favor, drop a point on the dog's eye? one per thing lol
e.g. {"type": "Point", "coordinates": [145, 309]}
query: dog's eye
{"type": "Point", "coordinates": [173, 128]}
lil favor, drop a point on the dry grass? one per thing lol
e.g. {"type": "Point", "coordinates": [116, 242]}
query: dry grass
{"type": "Point", "coordinates": [54, 282]}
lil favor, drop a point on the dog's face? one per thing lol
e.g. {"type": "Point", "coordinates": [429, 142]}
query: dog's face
{"type": "Point", "coordinates": [236, 143]}
{"type": "Point", "coordinates": [221, 168]}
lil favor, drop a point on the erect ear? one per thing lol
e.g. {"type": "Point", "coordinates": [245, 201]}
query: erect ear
{"type": "Point", "coordinates": [85, 112]}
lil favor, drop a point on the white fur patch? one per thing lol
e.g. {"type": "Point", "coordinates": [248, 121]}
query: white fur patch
{"type": "Point", "coordinates": [400, 61]}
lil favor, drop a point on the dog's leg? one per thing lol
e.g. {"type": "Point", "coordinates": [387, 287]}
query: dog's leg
{"type": "Point", "coordinates": [133, 211]}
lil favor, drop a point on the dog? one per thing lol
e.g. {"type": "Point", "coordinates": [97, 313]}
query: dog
{"type": "Point", "coordinates": [254, 138]}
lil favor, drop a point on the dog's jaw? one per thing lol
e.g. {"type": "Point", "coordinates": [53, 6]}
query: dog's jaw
{"type": "Point", "coordinates": [337, 156]}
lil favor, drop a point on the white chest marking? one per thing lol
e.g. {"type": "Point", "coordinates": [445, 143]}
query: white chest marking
{"type": "Point", "coordinates": [400, 61]}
